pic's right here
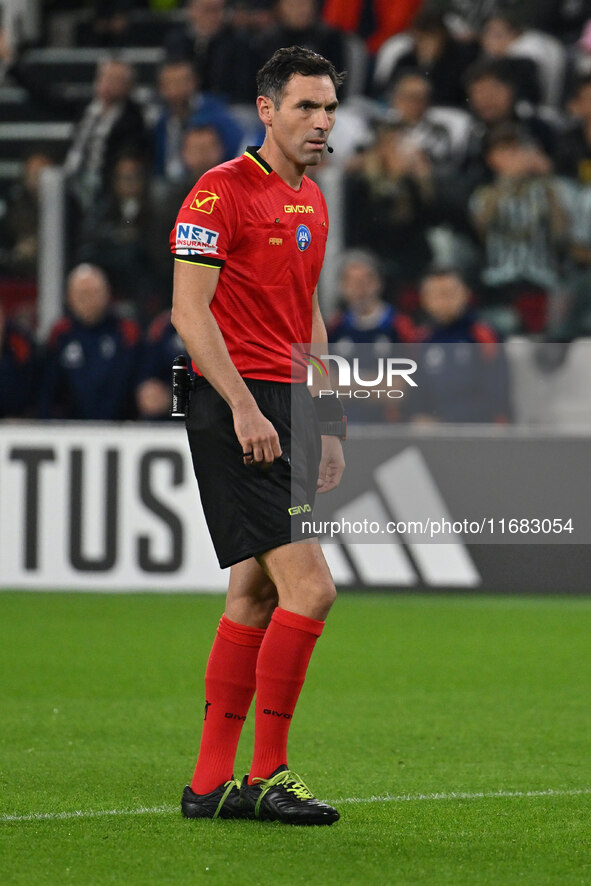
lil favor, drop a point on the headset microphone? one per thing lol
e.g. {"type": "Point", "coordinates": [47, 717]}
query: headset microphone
{"type": "Point", "coordinates": [329, 149]}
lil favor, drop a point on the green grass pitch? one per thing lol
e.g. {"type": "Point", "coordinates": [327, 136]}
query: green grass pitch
{"type": "Point", "coordinates": [453, 731]}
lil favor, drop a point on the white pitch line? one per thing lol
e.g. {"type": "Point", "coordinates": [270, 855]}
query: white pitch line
{"type": "Point", "coordinates": [466, 795]}
{"type": "Point", "coordinates": [89, 813]}
{"type": "Point", "coordinates": [387, 798]}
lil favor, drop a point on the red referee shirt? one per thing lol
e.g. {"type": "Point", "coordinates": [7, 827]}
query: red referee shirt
{"type": "Point", "coordinates": [269, 241]}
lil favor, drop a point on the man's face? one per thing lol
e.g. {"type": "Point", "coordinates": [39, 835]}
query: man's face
{"type": "Point", "coordinates": [88, 296]}
{"type": "Point", "coordinates": [444, 297]}
{"type": "Point", "coordinates": [491, 99]}
{"type": "Point", "coordinates": [207, 16]}
{"type": "Point", "coordinates": [411, 99]}
{"type": "Point", "coordinates": [297, 14]}
{"type": "Point", "coordinates": [497, 36]}
{"type": "Point", "coordinates": [202, 149]}
{"type": "Point", "coordinates": [113, 82]}
{"type": "Point", "coordinates": [129, 180]}
{"type": "Point", "coordinates": [300, 126]}
{"type": "Point", "coordinates": [359, 283]}
{"type": "Point", "coordinates": [177, 84]}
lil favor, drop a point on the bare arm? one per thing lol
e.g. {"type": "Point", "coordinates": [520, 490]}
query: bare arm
{"type": "Point", "coordinates": [332, 462]}
{"type": "Point", "coordinates": [194, 289]}
{"type": "Point", "coordinates": [319, 339]}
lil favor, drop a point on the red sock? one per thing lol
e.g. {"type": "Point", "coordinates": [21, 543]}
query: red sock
{"type": "Point", "coordinates": [281, 671]}
{"type": "Point", "coordinates": [230, 680]}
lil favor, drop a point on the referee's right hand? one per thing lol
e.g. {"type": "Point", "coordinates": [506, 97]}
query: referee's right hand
{"type": "Point", "coordinates": [257, 436]}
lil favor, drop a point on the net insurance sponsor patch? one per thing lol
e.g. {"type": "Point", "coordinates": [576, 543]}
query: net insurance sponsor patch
{"type": "Point", "coordinates": [194, 239]}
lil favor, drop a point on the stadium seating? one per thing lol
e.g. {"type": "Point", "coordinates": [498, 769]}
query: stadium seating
{"type": "Point", "coordinates": [78, 65]}
{"type": "Point", "coordinates": [18, 139]}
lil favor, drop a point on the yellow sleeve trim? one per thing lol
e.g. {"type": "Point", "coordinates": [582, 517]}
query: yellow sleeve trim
{"type": "Point", "coordinates": [200, 264]}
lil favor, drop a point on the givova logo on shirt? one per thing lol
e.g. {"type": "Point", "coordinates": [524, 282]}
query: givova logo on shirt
{"type": "Point", "coordinates": [195, 239]}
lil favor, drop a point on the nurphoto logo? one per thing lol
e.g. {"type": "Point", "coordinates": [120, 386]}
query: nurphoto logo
{"type": "Point", "coordinates": [360, 379]}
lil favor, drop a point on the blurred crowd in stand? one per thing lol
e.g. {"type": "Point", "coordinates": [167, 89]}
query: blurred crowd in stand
{"type": "Point", "coordinates": [463, 149]}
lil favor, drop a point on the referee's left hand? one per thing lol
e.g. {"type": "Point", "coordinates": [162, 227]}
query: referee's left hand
{"type": "Point", "coordinates": [332, 464]}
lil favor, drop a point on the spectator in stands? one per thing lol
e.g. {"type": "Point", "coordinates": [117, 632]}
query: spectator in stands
{"type": "Point", "coordinates": [18, 370]}
{"type": "Point", "coordinates": [538, 59]}
{"type": "Point", "coordinates": [442, 133]}
{"type": "Point", "coordinates": [373, 20]}
{"type": "Point", "coordinates": [431, 49]}
{"type": "Point", "coordinates": [573, 319]}
{"type": "Point", "coordinates": [573, 157]}
{"type": "Point", "coordinates": [119, 233]}
{"type": "Point", "coordinates": [19, 227]}
{"type": "Point", "coordinates": [253, 16]}
{"type": "Point", "coordinates": [92, 355]}
{"type": "Point", "coordinates": [466, 18]}
{"type": "Point", "coordinates": [366, 325]}
{"type": "Point", "coordinates": [299, 24]}
{"type": "Point", "coordinates": [500, 38]}
{"type": "Point", "coordinates": [205, 21]}
{"type": "Point", "coordinates": [183, 106]}
{"type": "Point", "coordinates": [221, 54]}
{"type": "Point", "coordinates": [153, 393]}
{"type": "Point", "coordinates": [492, 99]}
{"type": "Point", "coordinates": [390, 203]}
{"type": "Point", "coordinates": [366, 318]}
{"type": "Point", "coordinates": [449, 310]}
{"type": "Point", "coordinates": [562, 18]}
{"type": "Point", "coordinates": [202, 149]}
{"type": "Point", "coordinates": [574, 162]}
{"type": "Point", "coordinates": [110, 24]}
{"type": "Point", "coordinates": [112, 123]}
{"type": "Point", "coordinates": [462, 373]}
{"type": "Point", "coordinates": [522, 219]}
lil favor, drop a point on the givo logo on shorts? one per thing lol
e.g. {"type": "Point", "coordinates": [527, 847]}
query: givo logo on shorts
{"type": "Point", "coordinates": [299, 509]}
{"type": "Point", "coordinates": [303, 237]}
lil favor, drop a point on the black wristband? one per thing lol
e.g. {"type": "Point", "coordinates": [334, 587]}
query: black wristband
{"type": "Point", "coordinates": [331, 416]}
{"type": "Point", "coordinates": [334, 428]}
{"type": "Point", "coordinates": [328, 408]}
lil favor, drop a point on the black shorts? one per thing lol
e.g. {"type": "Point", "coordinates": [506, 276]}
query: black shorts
{"type": "Point", "coordinates": [249, 510]}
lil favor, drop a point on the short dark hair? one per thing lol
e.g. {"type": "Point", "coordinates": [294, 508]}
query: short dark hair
{"type": "Point", "coordinates": [513, 18]}
{"type": "Point", "coordinates": [509, 134]}
{"type": "Point", "coordinates": [288, 61]}
{"type": "Point", "coordinates": [498, 69]}
{"type": "Point", "coordinates": [443, 269]}
{"type": "Point", "coordinates": [430, 21]}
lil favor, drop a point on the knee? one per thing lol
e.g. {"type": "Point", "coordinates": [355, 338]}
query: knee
{"type": "Point", "coordinates": [326, 595]}
{"type": "Point", "coordinates": [253, 604]}
{"type": "Point", "coordinates": [314, 598]}
{"type": "Point", "coordinates": [265, 600]}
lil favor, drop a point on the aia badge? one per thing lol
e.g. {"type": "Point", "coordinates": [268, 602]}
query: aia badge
{"type": "Point", "coordinates": [204, 201]}
{"type": "Point", "coordinates": [303, 237]}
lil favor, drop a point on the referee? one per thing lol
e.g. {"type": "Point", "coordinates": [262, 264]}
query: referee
{"type": "Point", "coordinates": [249, 243]}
